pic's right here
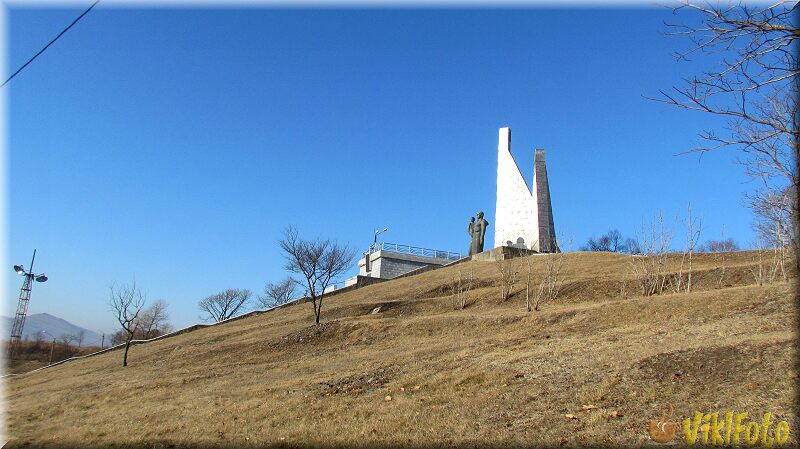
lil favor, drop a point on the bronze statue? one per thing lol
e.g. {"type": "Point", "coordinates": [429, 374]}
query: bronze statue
{"type": "Point", "coordinates": [477, 231]}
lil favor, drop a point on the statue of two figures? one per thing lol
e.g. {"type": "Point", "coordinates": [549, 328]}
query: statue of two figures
{"type": "Point", "coordinates": [477, 230]}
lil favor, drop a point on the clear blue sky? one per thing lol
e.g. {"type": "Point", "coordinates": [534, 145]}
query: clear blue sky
{"type": "Point", "coordinates": [174, 145]}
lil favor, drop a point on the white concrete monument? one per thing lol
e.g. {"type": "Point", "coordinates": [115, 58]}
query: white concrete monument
{"type": "Point", "coordinates": [523, 219]}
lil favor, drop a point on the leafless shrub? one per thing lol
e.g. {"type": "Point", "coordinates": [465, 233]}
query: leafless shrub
{"type": "Point", "coordinates": [773, 225]}
{"type": "Point", "coordinates": [551, 280]}
{"type": "Point", "coordinates": [722, 247]}
{"type": "Point", "coordinates": [649, 268]}
{"type": "Point", "coordinates": [760, 268]}
{"type": "Point", "coordinates": [127, 302]}
{"type": "Point", "coordinates": [460, 288]}
{"type": "Point", "coordinates": [693, 228]}
{"type": "Point", "coordinates": [508, 277]}
{"type": "Point", "coordinates": [528, 278]}
{"type": "Point", "coordinates": [225, 305]}
{"type": "Point", "coordinates": [768, 262]}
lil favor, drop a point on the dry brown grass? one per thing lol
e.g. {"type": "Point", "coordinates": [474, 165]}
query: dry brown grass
{"type": "Point", "coordinates": [491, 373]}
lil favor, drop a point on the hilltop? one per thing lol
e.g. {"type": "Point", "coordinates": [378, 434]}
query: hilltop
{"type": "Point", "coordinates": [418, 372]}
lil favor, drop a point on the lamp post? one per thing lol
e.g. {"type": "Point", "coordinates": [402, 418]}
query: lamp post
{"type": "Point", "coordinates": [373, 248]}
{"type": "Point", "coordinates": [52, 345]}
{"type": "Point", "coordinates": [375, 236]}
{"type": "Point", "coordinates": [24, 298]}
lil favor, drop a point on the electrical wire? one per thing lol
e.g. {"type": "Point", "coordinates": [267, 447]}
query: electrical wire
{"type": "Point", "coordinates": [50, 43]}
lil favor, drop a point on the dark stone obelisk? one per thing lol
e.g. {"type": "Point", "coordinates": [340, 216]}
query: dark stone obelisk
{"type": "Point", "coordinates": [547, 231]}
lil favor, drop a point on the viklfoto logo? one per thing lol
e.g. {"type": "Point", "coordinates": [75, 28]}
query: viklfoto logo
{"type": "Point", "coordinates": [728, 431]}
{"type": "Point", "coordinates": [731, 430]}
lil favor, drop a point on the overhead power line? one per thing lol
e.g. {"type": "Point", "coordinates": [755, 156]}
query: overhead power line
{"type": "Point", "coordinates": [50, 43]}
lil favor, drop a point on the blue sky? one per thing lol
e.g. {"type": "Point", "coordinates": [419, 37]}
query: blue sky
{"type": "Point", "coordinates": [174, 145]}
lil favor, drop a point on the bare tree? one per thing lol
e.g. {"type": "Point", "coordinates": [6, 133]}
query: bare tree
{"type": "Point", "coordinates": [613, 242]}
{"type": "Point", "coordinates": [79, 337]}
{"type": "Point", "coordinates": [66, 339]}
{"type": "Point", "coordinates": [756, 88]}
{"type": "Point", "coordinates": [724, 245]}
{"type": "Point", "coordinates": [278, 294]}
{"type": "Point", "coordinates": [127, 301]}
{"type": "Point", "coordinates": [119, 337]}
{"type": "Point", "coordinates": [153, 321]}
{"type": "Point", "coordinates": [225, 305]}
{"type": "Point", "coordinates": [318, 261]}
{"type": "Point", "coordinates": [632, 246]}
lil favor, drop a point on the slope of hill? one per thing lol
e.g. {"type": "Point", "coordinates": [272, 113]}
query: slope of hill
{"type": "Point", "coordinates": [592, 368]}
{"type": "Point", "coordinates": [55, 326]}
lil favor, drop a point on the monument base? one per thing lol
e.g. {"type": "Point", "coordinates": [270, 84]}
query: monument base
{"type": "Point", "coordinates": [502, 253]}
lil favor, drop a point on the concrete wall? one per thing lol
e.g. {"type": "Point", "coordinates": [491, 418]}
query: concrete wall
{"type": "Point", "coordinates": [389, 264]}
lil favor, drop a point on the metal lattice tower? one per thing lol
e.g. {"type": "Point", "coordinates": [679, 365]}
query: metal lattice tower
{"type": "Point", "coordinates": [22, 311]}
{"type": "Point", "coordinates": [24, 299]}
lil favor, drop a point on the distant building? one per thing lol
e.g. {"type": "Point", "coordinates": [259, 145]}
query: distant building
{"type": "Point", "coordinates": [523, 219]}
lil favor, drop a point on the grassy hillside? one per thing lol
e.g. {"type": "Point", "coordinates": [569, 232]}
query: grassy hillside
{"type": "Point", "coordinates": [491, 373]}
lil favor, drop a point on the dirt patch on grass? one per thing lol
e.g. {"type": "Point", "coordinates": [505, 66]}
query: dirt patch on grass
{"type": "Point", "coordinates": [707, 366]}
{"type": "Point", "coordinates": [320, 334]}
{"type": "Point", "coordinates": [356, 384]}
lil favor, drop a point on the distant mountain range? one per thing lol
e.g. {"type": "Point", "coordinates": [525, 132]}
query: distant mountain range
{"type": "Point", "coordinates": [54, 326]}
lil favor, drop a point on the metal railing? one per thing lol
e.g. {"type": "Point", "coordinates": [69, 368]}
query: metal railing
{"type": "Point", "coordinates": [414, 251]}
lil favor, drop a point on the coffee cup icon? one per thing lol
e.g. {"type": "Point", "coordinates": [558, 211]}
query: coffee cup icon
{"type": "Point", "coordinates": [663, 430]}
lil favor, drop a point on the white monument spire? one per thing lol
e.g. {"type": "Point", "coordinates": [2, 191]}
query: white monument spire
{"type": "Point", "coordinates": [523, 219]}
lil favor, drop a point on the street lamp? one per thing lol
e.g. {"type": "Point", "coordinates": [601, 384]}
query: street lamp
{"type": "Point", "coordinates": [52, 345]}
{"type": "Point", "coordinates": [24, 298]}
{"type": "Point", "coordinates": [375, 236]}
{"type": "Point", "coordinates": [373, 248]}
